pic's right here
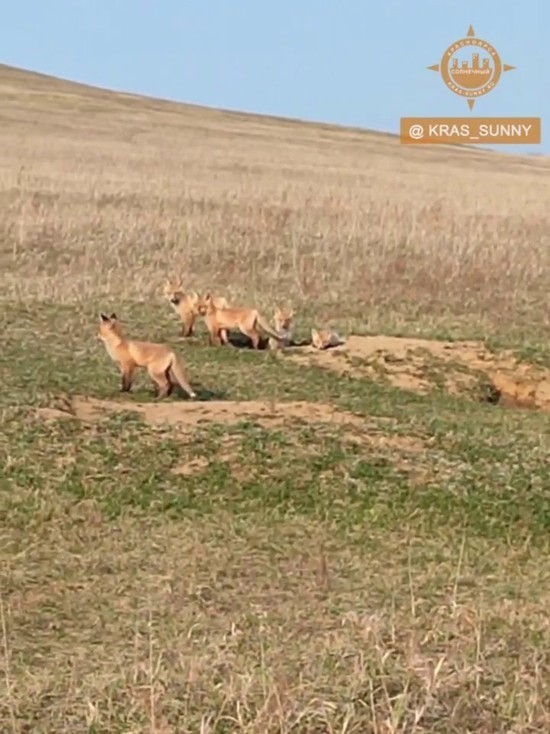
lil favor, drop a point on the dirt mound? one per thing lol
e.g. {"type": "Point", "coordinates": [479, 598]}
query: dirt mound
{"type": "Point", "coordinates": [53, 414]}
{"type": "Point", "coordinates": [422, 364]}
{"type": "Point", "coordinates": [228, 412]}
{"type": "Point", "coordinates": [189, 414]}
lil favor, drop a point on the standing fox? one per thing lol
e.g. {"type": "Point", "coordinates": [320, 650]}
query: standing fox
{"type": "Point", "coordinates": [165, 368]}
{"type": "Point", "coordinates": [325, 339]}
{"type": "Point", "coordinates": [219, 321]}
{"type": "Point", "coordinates": [185, 304]}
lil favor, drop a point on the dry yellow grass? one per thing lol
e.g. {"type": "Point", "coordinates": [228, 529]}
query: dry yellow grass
{"type": "Point", "coordinates": [382, 574]}
{"type": "Point", "coordinates": [103, 194]}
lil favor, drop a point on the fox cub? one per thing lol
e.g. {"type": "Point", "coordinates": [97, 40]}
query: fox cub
{"type": "Point", "coordinates": [283, 318]}
{"type": "Point", "coordinates": [325, 338]}
{"type": "Point", "coordinates": [164, 366]}
{"type": "Point", "coordinates": [219, 321]}
{"type": "Point", "coordinates": [185, 304]}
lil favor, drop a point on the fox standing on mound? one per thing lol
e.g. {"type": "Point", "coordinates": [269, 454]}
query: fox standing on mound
{"type": "Point", "coordinates": [219, 321]}
{"type": "Point", "coordinates": [165, 368]}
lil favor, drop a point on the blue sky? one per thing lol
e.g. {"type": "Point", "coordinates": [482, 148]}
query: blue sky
{"type": "Point", "coordinates": [355, 62]}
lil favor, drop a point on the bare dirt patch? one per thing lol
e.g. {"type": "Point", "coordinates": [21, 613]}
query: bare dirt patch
{"type": "Point", "coordinates": [228, 454]}
{"type": "Point", "coordinates": [421, 364]}
{"type": "Point", "coordinates": [189, 414]}
{"type": "Point", "coordinates": [53, 414]}
{"type": "Point", "coordinates": [227, 412]}
{"type": "Point", "coordinates": [192, 467]}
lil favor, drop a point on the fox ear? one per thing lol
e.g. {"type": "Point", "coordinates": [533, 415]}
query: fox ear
{"type": "Point", "coordinates": [113, 317]}
{"type": "Point", "coordinates": [103, 317]}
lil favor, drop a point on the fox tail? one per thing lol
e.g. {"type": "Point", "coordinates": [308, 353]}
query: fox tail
{"type": "Point", "coordinates": [177, 370]}
{"type": "Point", "coordinates": [268, 330]}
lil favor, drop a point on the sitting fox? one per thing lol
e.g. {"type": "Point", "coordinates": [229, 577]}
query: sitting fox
{"type": "Point", "coordinates": [164, 366]}
{"type": "Point", "coordinates": [283, 318]}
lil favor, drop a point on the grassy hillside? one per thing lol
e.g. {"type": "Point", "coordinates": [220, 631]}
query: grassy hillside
{"type": "Point", "coordinates": [353, 541]}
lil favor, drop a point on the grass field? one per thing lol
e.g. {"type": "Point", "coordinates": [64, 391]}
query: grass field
{"type": "Point", "coordinates": [349, 542]}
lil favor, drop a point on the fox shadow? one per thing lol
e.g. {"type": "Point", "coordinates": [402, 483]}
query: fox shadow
{"type": "Point", "coordinates": [203, 394]}
{"type": "Point", "coordinates": [240, 341]}
{"type": "Point", "coordinates": [236, 339]}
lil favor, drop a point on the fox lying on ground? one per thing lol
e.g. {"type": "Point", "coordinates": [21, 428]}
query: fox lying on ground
{"type": "Point", "coordinates": [283, 318]}
{"type": "Point", "coordinates": [219, 321]}
{"type": "Point", "coordinates": [185, 304]}
{"type": "Point", "coordinates": [165, 367]}
{"type": "Point", "coordinates": [325, 338]}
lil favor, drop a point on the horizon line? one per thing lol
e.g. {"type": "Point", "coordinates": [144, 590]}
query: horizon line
{"type": "Point", "coordinates": [264, 115]}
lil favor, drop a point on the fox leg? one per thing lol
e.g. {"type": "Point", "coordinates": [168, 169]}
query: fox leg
{"type": "Point", "coordinates": [171, 380]}
{"type": "Point", "coordinates": [211, 331]}
{"type": "Point", "coordinates": [255, 339]}
{"type": "Point", "coordinates": [188, 324]}
{"type": "Point", "coordinates": [215, 337]}
{"type": "Point", "coordinates": [163, 383]}
{"type": "Point", "coordinates": [127, 377]}
{"type": "Point", "coordinates": [253, 335]}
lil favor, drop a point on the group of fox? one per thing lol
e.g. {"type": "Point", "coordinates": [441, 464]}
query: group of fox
{"type": "Point", "coordinates": [165, 366]}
